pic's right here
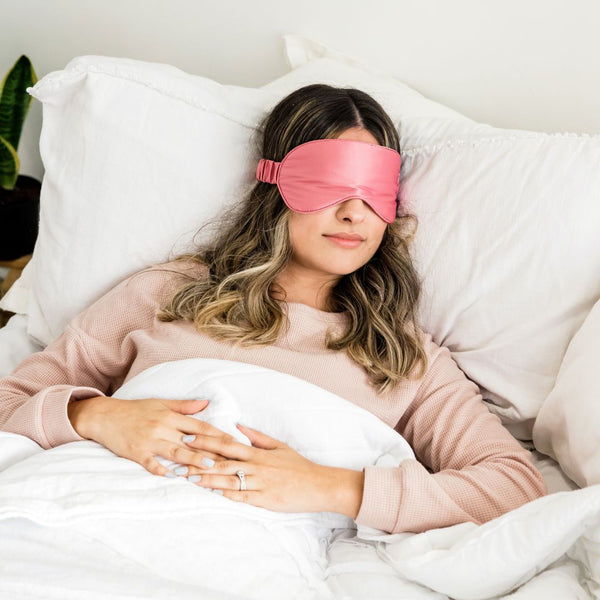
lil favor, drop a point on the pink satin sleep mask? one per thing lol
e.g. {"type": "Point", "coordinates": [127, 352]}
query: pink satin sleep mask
{"type": "Point", "coordinates": [321, 173]}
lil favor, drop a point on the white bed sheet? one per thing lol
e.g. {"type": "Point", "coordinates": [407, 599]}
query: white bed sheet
{"type": "Point", "coordinates": [354, 570]}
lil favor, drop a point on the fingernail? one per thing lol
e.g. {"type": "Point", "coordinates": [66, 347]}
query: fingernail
{"type": "Point", "coordinates": [169, 474]}
{"type": "Point", "coordinates": [208, 462]}
{"type": "Point", "coordinates": [181, 471]}
{"type": "Point", "coordinates": [188, 438]}
{"type": "Point", "coordinates": [194, 478]}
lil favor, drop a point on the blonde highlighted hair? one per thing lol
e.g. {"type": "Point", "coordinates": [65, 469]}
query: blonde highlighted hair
{"type": "Point", "coordinates": [235, 301]}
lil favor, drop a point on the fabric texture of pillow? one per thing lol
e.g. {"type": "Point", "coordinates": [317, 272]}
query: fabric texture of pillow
{"type": "Point", "coordinates": [507, 244]}
{"type": "Point", "coordinates": [568, 423]}
{"type": "Point", "coordinates": [509, 253]}
{"type": "Point", "coordinates": [137, 157]}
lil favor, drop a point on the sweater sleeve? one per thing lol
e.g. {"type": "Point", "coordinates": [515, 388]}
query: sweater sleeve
{"type": "Point", "coordinates": [468, 467]}
{"type": "Point", "coordinates": [90, 358]}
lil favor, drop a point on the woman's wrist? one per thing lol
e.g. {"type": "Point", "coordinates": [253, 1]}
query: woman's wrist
{"type": "Point", "coordinates": [344, 491]}
{"type": "Point", "coordinates": [81, 415]}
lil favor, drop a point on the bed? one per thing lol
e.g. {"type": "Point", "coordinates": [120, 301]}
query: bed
{"type": "Point", "coordinates": [131, 148]}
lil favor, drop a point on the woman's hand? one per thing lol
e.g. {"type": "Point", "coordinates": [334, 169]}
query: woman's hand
{"type": "Point", "coordinates": [276, 476]}
{"type": "Point", "coordinates": [140, 430]}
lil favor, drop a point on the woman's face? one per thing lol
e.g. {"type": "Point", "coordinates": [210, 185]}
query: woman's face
{"type": "Point", "coordinates": [341, 238]}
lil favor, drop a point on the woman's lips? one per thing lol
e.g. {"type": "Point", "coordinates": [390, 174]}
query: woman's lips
{"type": "Point", "coordinates": [345, 240]}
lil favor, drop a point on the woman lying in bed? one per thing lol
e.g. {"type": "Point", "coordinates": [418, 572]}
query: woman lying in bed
{"type": "Point", "coordinates": [310, 276]}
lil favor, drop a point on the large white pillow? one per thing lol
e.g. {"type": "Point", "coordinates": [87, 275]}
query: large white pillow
{"type": "Point", "coordinates": [137, 156]}
{"type": "Point", "coordinates": [568, 425]}
{"type": "Point", "coordinates": [507, 245]}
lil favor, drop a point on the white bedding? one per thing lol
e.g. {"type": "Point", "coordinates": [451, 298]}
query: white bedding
{"type": "Point", "coordinates": [76, 521]}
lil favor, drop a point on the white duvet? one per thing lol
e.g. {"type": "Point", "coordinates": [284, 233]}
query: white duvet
{"type": "Point", "coordinates": [78, 522]}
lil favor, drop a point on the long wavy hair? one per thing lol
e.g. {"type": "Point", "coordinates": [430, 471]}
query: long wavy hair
{"type": "Point", "coordinates": [236, 299]}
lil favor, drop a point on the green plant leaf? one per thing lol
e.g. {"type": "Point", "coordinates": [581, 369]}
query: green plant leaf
{"type": "Point", "coordinates": [15, 101]}
{"type": "Point", "coordinates": [9, 164]}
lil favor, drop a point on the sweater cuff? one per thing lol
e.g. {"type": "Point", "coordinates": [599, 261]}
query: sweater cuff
{"type": "Point", "coordinates": [382, 496]}
{"type": "Point", "coordinates": [406, 499]}
{"type": "Point", "coordinates": [55, 419]}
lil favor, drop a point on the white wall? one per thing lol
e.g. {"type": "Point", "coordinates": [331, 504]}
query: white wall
{"type": "Point", "coordinates": [528, 64]}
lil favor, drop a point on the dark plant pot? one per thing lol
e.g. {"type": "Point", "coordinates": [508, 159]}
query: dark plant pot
{"type": "Point", "coordinates": [19, 218]}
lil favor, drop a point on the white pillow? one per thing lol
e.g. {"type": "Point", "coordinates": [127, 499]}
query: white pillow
{"type": "Point", "coordinates": [137, 156]}
{"type": "Point", "coordinates": [507, 245]}
{"type": "Point", "coordinates": [510, 254]}
{"type": "Point", "coordinates": [568, 425]}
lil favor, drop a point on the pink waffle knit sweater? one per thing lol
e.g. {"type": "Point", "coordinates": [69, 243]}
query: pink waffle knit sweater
{"type": "Point", "coordinates": [469, 467]}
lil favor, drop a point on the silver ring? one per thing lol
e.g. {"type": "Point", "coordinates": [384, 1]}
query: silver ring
{"type": "Point", "coordinates": [242, 477]}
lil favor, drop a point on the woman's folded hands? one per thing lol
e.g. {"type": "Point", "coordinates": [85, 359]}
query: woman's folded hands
{"type": "Point", "coordinates": [275, 476]}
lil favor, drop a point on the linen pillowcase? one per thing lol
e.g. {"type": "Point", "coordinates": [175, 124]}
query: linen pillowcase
{"type": "Point", "coordinates": [507, 244]}
{"type": "Point", "coordinates": [568, 423]}
{"type": "Point", "coordinates": [509, 254]}
{"type": "Point", "coordinates": [137, 157]}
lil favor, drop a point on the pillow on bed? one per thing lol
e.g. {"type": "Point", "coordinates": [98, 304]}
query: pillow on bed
{"type": "Point", "coordinates": [568, 424]}
{"type": "Point", "coordinates": [137, 156]}
{"type": "Point", "coordinates": [507, 245]}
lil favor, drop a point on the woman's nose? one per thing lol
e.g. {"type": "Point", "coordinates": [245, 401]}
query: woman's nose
{"type": "Point", "coordinates": [352, 210]}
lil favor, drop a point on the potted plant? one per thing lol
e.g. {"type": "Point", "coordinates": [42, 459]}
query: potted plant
{"type": "Point", "coordinates": [19, 194]}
